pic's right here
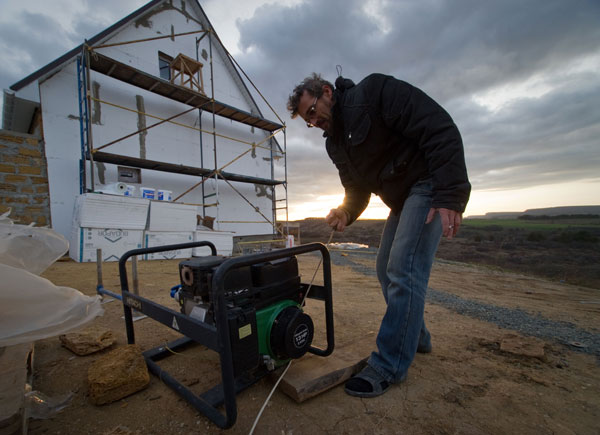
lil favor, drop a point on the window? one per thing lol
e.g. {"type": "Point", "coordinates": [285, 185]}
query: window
{"type": "Point", "coordinates": [164, 65]}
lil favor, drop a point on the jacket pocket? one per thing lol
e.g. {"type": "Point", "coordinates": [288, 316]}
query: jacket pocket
{"type": "Point", "coordinates": [395, 168]}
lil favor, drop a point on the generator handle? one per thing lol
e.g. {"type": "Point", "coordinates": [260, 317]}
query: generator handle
{"type": "Point", "coordinates": [152, 250]}
{"type": "Point", "coordinates": [125, 284]}
{"type": "Point", "coordinates": [218, 297]}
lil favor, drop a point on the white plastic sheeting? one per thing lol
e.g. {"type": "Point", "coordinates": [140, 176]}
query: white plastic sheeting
{"type": "Point", "coordinates": [31, 307]}
{"type": "Point", "coordinates": [30, 248]}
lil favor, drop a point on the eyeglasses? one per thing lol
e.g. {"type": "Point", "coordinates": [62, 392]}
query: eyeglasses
{"type": "Point", "coordinates": [312, 110]}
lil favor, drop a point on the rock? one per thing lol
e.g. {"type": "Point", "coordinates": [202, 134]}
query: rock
{"type": "Point", "coordinates": [88, 341]}
{"type": "Point", "coordinates": [523, 346]}
{"type": "Point", "coordinates": [117, 374]}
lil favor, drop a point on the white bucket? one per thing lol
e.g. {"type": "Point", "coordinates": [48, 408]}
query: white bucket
{"type": "Point", "coordinates": [289, 242]}
{"type": "Point", "coordinates": [130, 191]}
{"type": "Point", "coordinates": [164, 195]}
{"type": "Point", "coordinates": [148, 192]}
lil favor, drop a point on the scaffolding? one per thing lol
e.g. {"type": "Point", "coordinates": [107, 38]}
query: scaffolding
{"type": "Point", "coordinates": [190, 91]}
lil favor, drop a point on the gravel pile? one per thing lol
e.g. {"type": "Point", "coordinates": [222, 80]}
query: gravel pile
{"type": "Point", "coordinates": [509, 318]}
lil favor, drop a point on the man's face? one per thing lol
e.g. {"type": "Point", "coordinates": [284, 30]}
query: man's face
{"type": "Point", "coordinates": [317, 111]}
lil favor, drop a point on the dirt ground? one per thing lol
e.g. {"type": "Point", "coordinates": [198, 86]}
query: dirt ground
{"type": "Point", "coordinates": [467, 385]}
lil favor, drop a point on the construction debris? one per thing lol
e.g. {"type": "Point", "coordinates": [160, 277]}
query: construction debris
{"type": "Point", "coordinates": [87, 341]}
{"type": "Point", "coordinates": [117, 374]}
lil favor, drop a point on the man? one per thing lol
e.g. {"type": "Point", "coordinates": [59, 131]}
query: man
{"type": "Point", "coordinates": [389, 138]}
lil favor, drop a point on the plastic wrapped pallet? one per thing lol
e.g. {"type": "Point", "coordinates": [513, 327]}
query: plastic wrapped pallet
{"type": "Point", "coordinates": [170, 216]}
{"type": "Point", "coordinates": [114, 242]}
{"type": "Point", "coordinates": [162, 238]}
{"type": "Point", "coordinates": [94, 210]}
{"type": "Point", "coordinates": [223, 241]}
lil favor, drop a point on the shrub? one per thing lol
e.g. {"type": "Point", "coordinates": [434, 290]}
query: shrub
{"type": "Point", "coordinates": [493, 228]}
{"type": "Point", "coordinates": [577, 236]}
{"type": "Point", "coordinates": [536, 236]}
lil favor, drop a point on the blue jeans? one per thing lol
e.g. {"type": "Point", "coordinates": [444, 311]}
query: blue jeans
{"type": "Point", "coordinates": [404, 261]}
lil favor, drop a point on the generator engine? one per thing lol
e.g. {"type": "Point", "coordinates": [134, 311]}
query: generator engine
{"type": "Point", "coordinates": [267, 325]}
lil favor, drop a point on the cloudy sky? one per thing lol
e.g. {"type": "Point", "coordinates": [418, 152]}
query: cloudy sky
{"type": "Point", "coordinates": [520, 78]}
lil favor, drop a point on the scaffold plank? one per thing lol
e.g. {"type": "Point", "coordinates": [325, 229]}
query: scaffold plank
{"type": "Point", "coordinates": [179, 169]}
{"type": "Point", "coordinates": [128, 74]}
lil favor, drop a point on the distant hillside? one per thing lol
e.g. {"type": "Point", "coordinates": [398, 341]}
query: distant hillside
{"type": "Point", "coordinates": [554, 211]}
{"type": "Point", "coordinates": [548, 211]}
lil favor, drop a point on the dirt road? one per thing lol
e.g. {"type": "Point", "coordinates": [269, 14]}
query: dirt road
{"type": "Point", "coordinates": [481, 378]}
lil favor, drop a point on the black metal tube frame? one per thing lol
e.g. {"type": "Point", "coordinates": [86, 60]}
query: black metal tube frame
{"type": "Point", "coordinates": [215, 337]}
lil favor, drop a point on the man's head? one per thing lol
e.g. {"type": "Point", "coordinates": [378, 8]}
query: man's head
{"type": "Point", "coordinates": [313, 99]}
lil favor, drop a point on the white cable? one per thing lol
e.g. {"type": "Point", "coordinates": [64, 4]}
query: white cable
{"type": "Point", "coordinates": [289, 363]}
{"type": "Point", "coordinates": [268, 398]}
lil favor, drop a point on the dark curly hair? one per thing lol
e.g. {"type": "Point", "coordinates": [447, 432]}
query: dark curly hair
{"type": "Point", "coordinates": [313, 84]}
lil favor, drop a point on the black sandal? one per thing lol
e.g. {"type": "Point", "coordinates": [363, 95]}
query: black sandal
{"type": "Point", "coordinates": [367, 383]}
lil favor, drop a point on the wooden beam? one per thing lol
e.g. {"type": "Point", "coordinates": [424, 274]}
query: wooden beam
{"type": "Point", "coordinates": [312, 375]}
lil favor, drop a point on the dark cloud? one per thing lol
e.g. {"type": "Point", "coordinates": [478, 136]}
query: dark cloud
{"type": "Point", "coordinates": [30, 41]}
{"type": "Point", "coordinates": [455, 51]}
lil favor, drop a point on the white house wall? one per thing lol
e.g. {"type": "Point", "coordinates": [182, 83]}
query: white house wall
{"type": "Point", "coordinates": [29, 92]}
{"type": "Point", "coordinates": [167, 142]}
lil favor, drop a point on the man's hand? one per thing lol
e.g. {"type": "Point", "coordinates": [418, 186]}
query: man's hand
{"type": "Point", "coordinates": [451, 220]}
{"type": "Point", "coordinates": [337, 219]}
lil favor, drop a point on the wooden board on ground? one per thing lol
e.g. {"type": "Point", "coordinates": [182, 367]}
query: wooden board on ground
{"type": "Point", "coordinates": [312, 374]}
{"type": "Point", "coordinates": [15, 372]}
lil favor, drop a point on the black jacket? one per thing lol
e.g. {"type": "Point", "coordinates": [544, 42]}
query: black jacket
{"type": "Point", "coordinates": [387, 135]}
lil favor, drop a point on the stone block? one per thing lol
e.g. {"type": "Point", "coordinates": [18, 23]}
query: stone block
{"type": "Point", "coordinates": [11, 138]}
{"type": "Point", "coordinates": [19, 160]}
{"type": "Point", "coordinates": [24, 151]}
{"type": "Point", "coordinates": [8, 187]}
{"type": "Point", "coordinates": [41, 221]}
{"type": "Point", "coordinates": [39, 180]}
{"type": "Point", "coordinates": [15, 178]}
{"type": "Point", "coordinates": [33, 210]}
{"type": "Point", "coordinates": [88, 341]}
{"type": "Point", "coordinates": [10, 169]}
{"type": "Point", "coordinates": [117, 374]}
{"type": "Point", "coordinates": [30, 170]}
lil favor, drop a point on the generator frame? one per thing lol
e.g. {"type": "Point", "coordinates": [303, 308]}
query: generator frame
{"type": "Point", "coordinates": [216, 337]}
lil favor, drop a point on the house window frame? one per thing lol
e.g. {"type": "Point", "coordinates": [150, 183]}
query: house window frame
{"type": "Point", "coordinates": [164, 64]}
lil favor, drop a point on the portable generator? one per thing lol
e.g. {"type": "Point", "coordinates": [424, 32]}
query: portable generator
{"type": "Point", "coordinates": [249, 309]}
{"type": "Point", "coordinates": [263, 297]}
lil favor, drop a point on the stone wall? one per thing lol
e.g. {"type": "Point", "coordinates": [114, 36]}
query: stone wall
{"type": "Point", "coordinates": [24, 178]}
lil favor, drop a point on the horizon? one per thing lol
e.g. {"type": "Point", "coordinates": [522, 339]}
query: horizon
{"type": "Point", "coordinates": [470, 216]}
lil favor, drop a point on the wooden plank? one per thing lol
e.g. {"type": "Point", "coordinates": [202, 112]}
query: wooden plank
{"type": "Point", "coordinates": [116, 159]}
{"type": "Point", "coordinates": [141, 79]}
{"type": "Point", "coordinates": [15, 372]}
{"type": "Point", "coordinates": [312, 375]}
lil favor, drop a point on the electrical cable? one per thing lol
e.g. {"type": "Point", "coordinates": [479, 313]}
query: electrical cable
{"type": "Point", "coordinates": [290, 362]}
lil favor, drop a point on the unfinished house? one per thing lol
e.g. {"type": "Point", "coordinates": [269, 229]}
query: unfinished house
{"type": "Point", "coordinates": [151, 135]}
